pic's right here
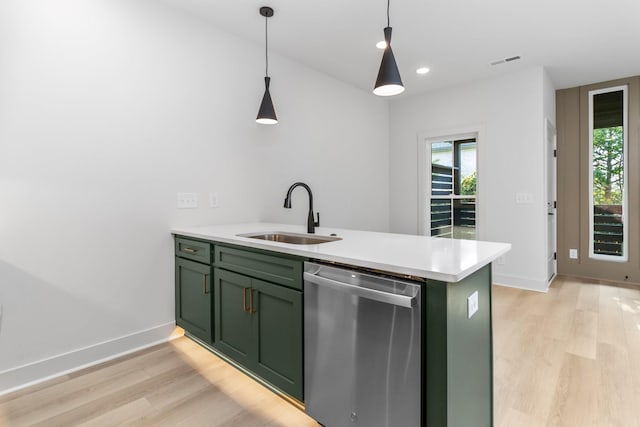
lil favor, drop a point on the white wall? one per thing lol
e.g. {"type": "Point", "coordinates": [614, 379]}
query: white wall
{"type": "Point", "coordinates": [335, 139]}
{"type": "Point", "coordinates": [109, 108]}
{"type": "Point", "coordinates": [509, 111]}
{"type": "Point", "coordinates": [549, 97]}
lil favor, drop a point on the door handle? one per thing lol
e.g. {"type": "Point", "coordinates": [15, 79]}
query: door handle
{"type": "Point", "coordinates": [244, 299]}
{"type": "Point", "coordinates": [251, 310]}
{"type": "Point", "coordinates": [372, 294]}
{"type": "Point", "coordinates": [204, 284]}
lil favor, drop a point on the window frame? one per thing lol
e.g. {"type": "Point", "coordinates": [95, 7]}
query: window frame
{"type": "Point", "coordinates": [625, 175]}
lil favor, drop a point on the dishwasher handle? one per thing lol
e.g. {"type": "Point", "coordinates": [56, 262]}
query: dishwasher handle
{"type": "Point", "coordinates": [372, 294]}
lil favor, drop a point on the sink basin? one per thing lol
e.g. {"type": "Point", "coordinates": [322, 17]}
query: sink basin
{"type": "Point", "coordinates": [293, 238]}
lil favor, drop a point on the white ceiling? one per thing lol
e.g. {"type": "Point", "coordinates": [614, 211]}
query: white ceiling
{"type": "Point", "coordinates": [578, 41]}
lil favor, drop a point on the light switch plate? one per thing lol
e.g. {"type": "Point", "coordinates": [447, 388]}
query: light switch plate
{"type": "Point", "coordinates": [187, 200]}
{"type": "Point", "coordinates": [214, 200]}
{"type": "Point", "coordinates": [573, 253]}
{"type": "Point", "coordinates": [472, 304]}
{"type": "Point", "coordinates": [524, 198]}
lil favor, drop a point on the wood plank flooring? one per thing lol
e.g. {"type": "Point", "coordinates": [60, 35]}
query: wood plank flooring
{"type": "Point", "coordinates": [173, 384]}
{"type": "Point", "coordinates": [567, 358]}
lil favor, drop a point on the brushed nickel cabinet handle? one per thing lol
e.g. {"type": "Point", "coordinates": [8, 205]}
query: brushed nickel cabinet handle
{"type": "Point", "coordinates": [189, 250]}
{"type": "Point", "coordinates": [244, 299]}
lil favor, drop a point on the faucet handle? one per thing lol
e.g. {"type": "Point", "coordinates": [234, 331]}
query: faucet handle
{"type": "Point", "coordinates": [317, 223]}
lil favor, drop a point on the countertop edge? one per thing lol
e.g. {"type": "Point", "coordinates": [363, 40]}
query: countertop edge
{"type": "Point", "coordinates": [305, 251]}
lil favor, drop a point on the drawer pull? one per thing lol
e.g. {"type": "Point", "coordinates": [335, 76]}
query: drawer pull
{"type": "Point", "coordinates": [244, 300]}
{"type": "Point", "coordinates": [204, 284]}
{"type": "Point", "coordinates": [189, 250]}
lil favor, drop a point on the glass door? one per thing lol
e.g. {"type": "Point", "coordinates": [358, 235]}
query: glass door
{"type": "Point", "coordinates": [452, 193]}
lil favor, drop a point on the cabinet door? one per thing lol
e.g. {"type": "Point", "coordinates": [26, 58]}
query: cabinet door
{"type": "Point", "coordinates": [277, 331]}
{"type": "Point", "coordinates": [193, 298]}
{"type": "Point", "coordinates": [233, 318]}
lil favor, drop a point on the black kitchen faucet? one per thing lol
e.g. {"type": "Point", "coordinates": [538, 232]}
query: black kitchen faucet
{"type": "Point", "coordinates": [311, 223]}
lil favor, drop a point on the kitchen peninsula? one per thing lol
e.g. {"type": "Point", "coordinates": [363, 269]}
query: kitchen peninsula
{"type": "Point", "coordinates": [242, 297]}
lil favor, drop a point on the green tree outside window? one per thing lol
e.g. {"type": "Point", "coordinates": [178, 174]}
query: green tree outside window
{"type": "Point", "coordinates": [608, 166]}
{"type": "Point", "coordinates": [468, 185]}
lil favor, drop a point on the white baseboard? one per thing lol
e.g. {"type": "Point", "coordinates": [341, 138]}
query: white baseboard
{"type": "Point", "coordinates": [521, 283]}
{"type": "Point", "coordinates": [36, 372]}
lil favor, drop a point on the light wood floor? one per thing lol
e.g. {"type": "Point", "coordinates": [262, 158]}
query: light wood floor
{"type": "Point", "coordinates": [173, 384]}
{"type": "Point", "coordinates": [567, 358]}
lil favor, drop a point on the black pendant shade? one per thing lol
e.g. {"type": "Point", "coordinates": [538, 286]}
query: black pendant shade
{"type": "Point", "coordinates": [266, 113]}
{"type": "Point", "coordinates": [389, 81]}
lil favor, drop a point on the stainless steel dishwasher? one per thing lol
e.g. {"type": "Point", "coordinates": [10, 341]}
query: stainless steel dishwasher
{"type": "Point", "coordinates": [361, 348]}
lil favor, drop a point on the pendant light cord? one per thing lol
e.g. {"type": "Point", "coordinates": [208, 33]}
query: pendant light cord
{"type": "Point", "coordinates": [388, 1]}
{"type": "Point", "coordinates": [266, 47]}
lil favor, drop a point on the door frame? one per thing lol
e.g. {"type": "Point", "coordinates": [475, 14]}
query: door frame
{"type": "Point", "coordinates": [425, 139]}
{"type": "Point", "coordinates": [551, 175]}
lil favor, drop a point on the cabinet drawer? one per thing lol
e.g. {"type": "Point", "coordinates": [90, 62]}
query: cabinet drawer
{"type": "Point", "coordinates": [193, 249]}
{"type": "Point", "coordinates": [276, 269]}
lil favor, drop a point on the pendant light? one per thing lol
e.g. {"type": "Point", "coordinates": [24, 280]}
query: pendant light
{"type": "Point", "coordinates": [388, 82]}
{"type": "Point", "coordinates": [266, 113]}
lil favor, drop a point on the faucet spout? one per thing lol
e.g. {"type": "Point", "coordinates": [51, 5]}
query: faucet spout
{"type": "Point", "coordinates": [311, 222]}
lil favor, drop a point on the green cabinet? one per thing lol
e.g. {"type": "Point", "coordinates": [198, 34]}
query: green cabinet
{"type": "Point", "coordinates": [193, 288]}
{"type": "Point", "coordinates": [254, 300]}
{"type": "Point", "coordinates": [277, 336]}
{"type": "Point", "coordinates": [233, 316]}
{"type": "Point", "coordinates": [458, 352]}
{"type": "Point", "coordinates": [259, 325]}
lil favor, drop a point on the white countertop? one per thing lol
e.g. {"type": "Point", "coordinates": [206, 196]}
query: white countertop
{"type": "Point", "coordinates": [448, 260]}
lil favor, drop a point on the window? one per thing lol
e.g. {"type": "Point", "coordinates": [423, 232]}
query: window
{"type": "Point", "coordinates": [608, 231]}
{"type": "Point", "coordinates": [453, 188]}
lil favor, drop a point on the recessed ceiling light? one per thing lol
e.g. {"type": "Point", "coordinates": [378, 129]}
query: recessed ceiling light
{"type": "Point", "coordinates": [422, 70]}
{"type": "Point", "coordinates": [381, 44]}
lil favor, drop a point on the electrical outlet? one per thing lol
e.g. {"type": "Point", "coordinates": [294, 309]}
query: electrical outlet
{"type": "Point", "coordinates": [573, 253]}
{"type": "Point", "coordinates": [472, 304]}
{"type": "Point", "coordinates": [501, 260]}
{"type": "Point", "coordinates": [214, 200]}
{"type": "Point", "coordinates": [1, 317]}
{"type": "Point", "coordinates": [187, 200]}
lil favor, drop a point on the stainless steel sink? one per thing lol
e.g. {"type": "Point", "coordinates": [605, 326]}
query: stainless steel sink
{"type": "Point", "coordinates": [293, 238]}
